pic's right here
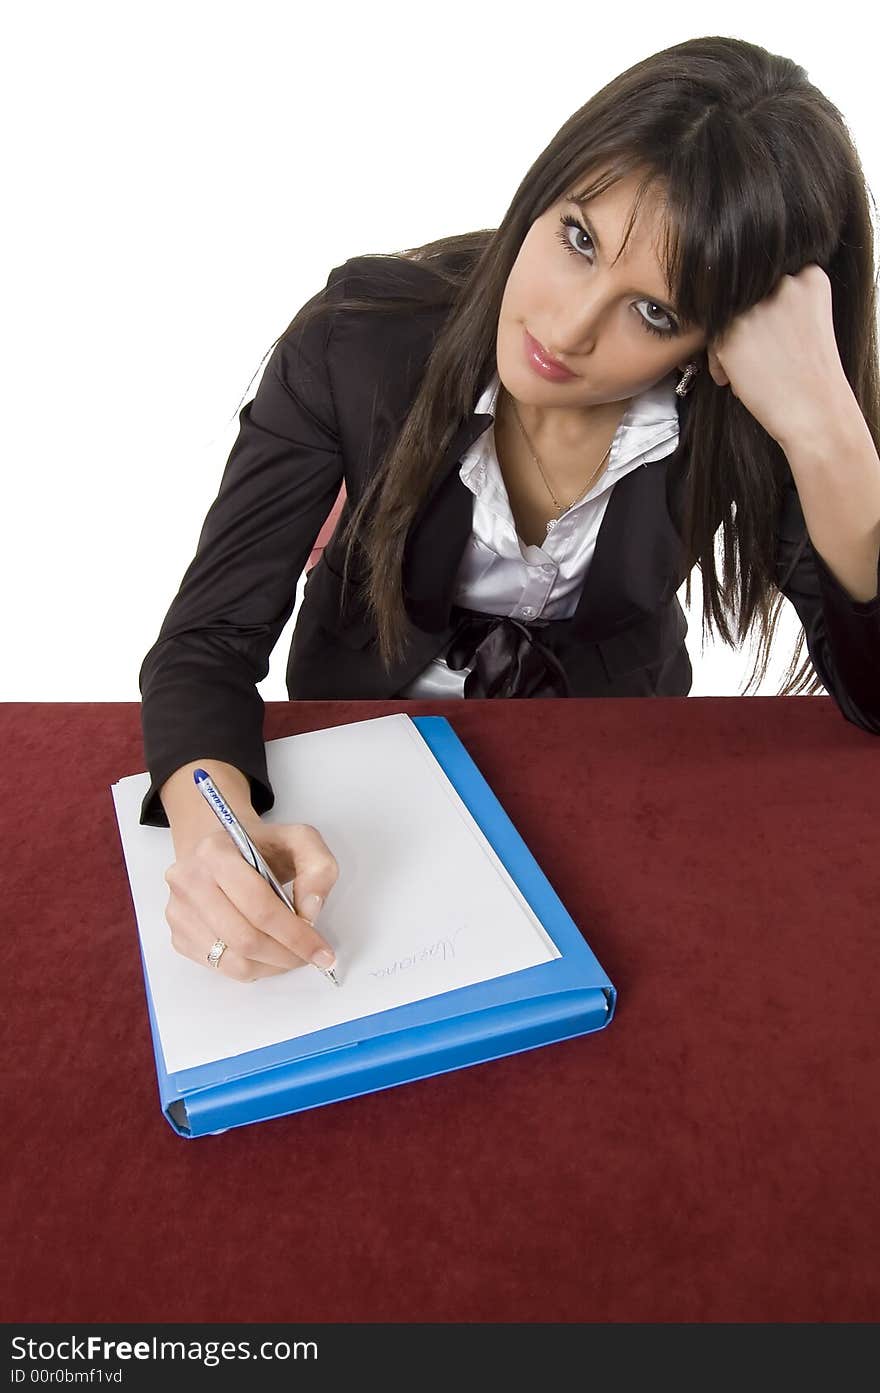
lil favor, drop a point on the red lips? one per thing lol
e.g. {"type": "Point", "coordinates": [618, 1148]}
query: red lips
{"type": "Point", "coordinates": [541, 362]}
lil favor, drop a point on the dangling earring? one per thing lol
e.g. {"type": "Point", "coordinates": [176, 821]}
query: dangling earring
{"type": "Point", "coordinates": [686, 380]}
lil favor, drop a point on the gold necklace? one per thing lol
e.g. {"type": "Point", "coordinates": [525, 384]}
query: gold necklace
{"type": "Point", "coordinates": [560, 507]}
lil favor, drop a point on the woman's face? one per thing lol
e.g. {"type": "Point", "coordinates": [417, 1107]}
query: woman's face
{"type": "Point", "coordinates": [615, 327]}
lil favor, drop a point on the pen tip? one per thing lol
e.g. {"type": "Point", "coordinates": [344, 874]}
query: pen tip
{"type": "Point", "coordinates": [332, 975]}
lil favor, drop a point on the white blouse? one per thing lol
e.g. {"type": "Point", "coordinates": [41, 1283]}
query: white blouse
{"type": "Point", "coordinates": [500, 574]}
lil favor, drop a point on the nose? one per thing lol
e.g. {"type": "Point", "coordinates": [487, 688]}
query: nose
{"type": "Point", "coordinates": [572, 333]}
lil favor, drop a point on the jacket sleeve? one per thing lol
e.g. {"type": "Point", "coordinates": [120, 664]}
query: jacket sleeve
{"type": "Point", "coordinates": [198, 681]}
{"type": "Point", "coordinates": [842, 634]}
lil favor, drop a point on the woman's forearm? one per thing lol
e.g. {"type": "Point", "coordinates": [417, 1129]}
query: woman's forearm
{"type": "Point", "coordinates": [189, 815]}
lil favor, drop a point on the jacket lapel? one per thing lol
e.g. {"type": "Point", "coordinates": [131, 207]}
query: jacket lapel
{"type": "Point", "coordinates": [638, 561]}
{"type": "Point", "coordinates": [439, 533]}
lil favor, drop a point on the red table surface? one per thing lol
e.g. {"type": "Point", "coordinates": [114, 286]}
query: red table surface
{"type": "Point", "coordinates": [712, 1155]}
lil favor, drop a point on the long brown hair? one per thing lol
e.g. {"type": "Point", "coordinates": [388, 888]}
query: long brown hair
{"type": "Point", "coordinates": [760, 176]}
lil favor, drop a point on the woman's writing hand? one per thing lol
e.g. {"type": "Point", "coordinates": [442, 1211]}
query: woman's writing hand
{"type": "Point", "coordinates": [216, 894]}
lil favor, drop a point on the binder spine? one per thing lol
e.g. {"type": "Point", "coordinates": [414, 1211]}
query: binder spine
{"type": "Point", "coordinates": [389, 1060]}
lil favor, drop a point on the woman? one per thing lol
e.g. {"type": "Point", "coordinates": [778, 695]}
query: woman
{"type": "Point", "coordinates": [539, 429]}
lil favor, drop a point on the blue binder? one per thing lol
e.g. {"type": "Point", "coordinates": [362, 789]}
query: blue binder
{"type": "Point", "coordinates": [537, 1006]}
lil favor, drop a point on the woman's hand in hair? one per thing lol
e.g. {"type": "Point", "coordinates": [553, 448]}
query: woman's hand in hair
{"type": "Point", "coordinates": [780, 358]}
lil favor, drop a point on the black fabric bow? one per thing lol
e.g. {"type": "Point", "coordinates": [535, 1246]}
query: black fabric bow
{"type": "Point", "coordinates": [509, 661]}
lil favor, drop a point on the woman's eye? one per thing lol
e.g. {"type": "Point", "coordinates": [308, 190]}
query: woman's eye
{"type": "Point", "coordinates": [568, 242]}
{"type": "Point", "coordinates": [568, 222]}
{"type": "Point", "coordinates": [667, 328]}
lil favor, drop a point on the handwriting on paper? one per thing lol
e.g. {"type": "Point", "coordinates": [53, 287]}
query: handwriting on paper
{"type": "Point", "coordinates": [440, 951]}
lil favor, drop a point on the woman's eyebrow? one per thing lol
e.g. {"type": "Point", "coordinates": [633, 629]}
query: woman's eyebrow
{"type": "Point", "coordinates": [655, 299]}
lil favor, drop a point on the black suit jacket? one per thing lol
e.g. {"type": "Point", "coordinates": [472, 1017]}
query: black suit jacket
{"type": "Point", "coordinates": [330, 401]}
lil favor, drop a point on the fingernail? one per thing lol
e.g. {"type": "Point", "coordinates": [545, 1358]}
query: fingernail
{"type": "Point", "coordinates": [323, 957]}
{"type": "Point", "coordinates": [311, 907]}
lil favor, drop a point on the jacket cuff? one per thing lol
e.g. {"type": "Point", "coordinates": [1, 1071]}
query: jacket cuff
{"type": "Point", "coordinates": [153, 813]}
{"type": "Point", "coordinates": [835, 594]}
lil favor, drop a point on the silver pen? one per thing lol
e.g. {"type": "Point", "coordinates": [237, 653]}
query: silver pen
{"type": "Point", "coordinates": [212, 795]}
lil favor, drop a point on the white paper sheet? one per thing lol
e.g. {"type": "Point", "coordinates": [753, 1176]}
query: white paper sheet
{"type": "Point", "coordinates": [422, 904]}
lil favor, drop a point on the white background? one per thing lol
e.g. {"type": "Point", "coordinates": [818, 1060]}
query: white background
{"type": "Point", "coordinates": [180, 178]}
